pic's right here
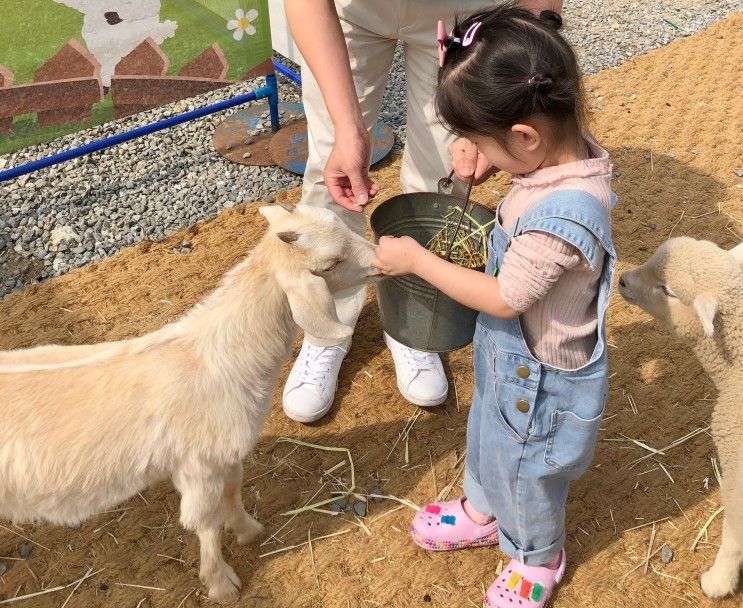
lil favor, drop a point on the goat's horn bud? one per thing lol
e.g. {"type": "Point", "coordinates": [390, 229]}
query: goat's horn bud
{"type": "Point", "coordinates": [290, 207]}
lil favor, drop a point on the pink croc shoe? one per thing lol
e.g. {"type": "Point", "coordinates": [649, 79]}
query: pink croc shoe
{"type": "Point", "coordinates": [444, 526]}
{"type": "Point", "coordinates": [522, 586]}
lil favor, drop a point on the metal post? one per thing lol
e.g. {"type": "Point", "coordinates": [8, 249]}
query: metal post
{"type": "Point", "coordinates": [273, 100]}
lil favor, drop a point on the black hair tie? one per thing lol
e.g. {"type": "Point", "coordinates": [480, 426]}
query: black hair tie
{"type": "Point", "coordinates": [551, 18]}
{"type": "Point", "coordinates": [540, 82]}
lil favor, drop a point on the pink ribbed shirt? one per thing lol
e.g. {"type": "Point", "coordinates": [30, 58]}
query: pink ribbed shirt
{"type": "Point", "coordinates": [547, 279]}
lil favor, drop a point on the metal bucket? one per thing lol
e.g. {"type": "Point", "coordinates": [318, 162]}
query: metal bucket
{"type": "Point", "coordinates": [412, 311]}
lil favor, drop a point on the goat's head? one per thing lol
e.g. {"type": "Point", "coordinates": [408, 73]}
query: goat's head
{"type": "Point", "coordinates": [684, 284]}
{"type": "Point", "coordinates": [319, 256]}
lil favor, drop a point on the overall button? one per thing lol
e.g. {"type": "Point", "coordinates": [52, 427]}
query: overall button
{"type": "Point", "coordinates": [523, 372]}
{"type": "Point", "coordinates": [522, 406]}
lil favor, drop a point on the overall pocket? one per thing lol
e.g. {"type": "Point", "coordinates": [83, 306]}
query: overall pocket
{"type": "Point", "coordinates": [571, 440]}
{"type": "Point", "coordinates": [516, 387]}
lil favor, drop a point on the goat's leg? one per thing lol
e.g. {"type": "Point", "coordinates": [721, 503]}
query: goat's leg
{"type": "Point", "coordinates": [722, 578]}
{"type": "Point", "coordinates": [202, 511]}
{"type": "Point", "coordinates": [245, 527]}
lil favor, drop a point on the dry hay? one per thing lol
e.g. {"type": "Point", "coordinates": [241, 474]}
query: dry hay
{"type": "Point", "coordinates": [668, 120]}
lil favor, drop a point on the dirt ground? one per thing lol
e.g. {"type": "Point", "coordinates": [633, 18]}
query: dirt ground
{"type": "Point", "coordinates": [672, 121]}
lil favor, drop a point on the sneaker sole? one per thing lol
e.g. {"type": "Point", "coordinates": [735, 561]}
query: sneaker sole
{"type": "Point", "coordinates": [433, 402]}
{"type": "Point", "coordinates": [305, 419]}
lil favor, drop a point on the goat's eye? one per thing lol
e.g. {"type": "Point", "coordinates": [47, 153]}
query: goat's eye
{"type": "Point", "coordinates": [667, 292]}
{"type": "Point", "coordinates": [332, 264]}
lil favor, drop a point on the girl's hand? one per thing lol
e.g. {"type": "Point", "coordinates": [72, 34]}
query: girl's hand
{"type": "Point", "coordinates": [395, 256]}
{"type": "Point", "coordinates": [466, 159]}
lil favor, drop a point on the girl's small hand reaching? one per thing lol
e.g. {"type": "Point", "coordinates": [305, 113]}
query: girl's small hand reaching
{"type": "Point", "coordinates": [395, 256]}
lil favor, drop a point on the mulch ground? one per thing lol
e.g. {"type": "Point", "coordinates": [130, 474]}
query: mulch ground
{"type": "Point", "coordinates": [672, 122]}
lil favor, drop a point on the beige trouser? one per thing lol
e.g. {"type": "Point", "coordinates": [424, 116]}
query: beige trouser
{"type": "Point", "coordinates": [372, 29]}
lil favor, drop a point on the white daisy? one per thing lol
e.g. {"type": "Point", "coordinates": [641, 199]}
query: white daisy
{"type": "Point", "coordinates": [242, 23]}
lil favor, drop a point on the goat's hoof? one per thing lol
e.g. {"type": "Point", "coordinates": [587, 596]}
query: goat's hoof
{"type": "Point", "coordinates": [225, 593]}
{"type": "Point", "coordinates": [716, 583]}
{"type": "Point", "coordinates": [224, 586]}
{"type": "Point", "coordinates": [249, 533]}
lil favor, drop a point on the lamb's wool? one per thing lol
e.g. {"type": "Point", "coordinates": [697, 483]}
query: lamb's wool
{"type": "Point", "coordinates": [696, 289]}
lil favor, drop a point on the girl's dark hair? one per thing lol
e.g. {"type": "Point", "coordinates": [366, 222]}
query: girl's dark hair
{"type": "Point", "coordinates": [517, 67]}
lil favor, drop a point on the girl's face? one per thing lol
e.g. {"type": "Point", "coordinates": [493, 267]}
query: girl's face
{"type": "Point", "coordinates": [524, 152]}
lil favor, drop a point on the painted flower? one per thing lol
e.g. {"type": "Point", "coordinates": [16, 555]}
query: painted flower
{"type": "Point", "coordinates": [242, 23]}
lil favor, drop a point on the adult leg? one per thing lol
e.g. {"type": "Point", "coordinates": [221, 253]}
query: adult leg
{"type": "Point", "coordinates": [370, 29]}
{"type": "Point", "coordinates": [426, 158]}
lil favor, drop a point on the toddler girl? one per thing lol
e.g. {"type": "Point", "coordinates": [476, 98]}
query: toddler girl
{"type": "Point", "coordinates": [510, 84]}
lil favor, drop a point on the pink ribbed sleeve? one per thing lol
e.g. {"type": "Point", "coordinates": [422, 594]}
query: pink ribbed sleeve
{"type": "Point", "coordinates": [532, 266]}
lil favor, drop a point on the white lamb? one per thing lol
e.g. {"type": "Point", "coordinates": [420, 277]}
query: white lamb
{"type": "Point", "coordinates": [696, 289]}
{"type": "Point", "coordinates": [86, 427]}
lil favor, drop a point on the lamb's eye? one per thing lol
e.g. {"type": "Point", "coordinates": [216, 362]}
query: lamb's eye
{"type": "Point", "coordinates": [667, 292]}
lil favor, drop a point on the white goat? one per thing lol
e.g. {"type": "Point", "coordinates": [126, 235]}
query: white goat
{"type": "Point", "coordinates": [696, 289]}
{"type": "Point", "coordinates": [86, 427]}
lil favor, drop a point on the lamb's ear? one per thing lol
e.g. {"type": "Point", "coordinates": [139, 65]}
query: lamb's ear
{"type": "Point", "coordinates": [313, 308]}
{"type": "Point", "coordinates": [737, 252]}
{"type": "Point", "coordinates": [272, 212]}
{"type": "Point", "coordinates": [706, 308]}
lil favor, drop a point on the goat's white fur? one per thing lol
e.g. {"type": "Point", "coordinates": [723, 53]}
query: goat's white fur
{"type": "Point", "coordinates": [706, 309]}
{"type": "Point", "coordinates": [86, 427]}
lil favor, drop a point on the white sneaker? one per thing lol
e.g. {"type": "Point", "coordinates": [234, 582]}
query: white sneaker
{"type": "Point", "coordinates": [310, 388]}
{"type": "Point", "coordinates": [420, 375]}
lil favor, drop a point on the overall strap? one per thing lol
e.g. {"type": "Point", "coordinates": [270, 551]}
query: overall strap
{"type": "Point", "coordinates": [575, 216]}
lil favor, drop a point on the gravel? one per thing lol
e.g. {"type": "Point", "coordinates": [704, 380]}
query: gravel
{"type": "Point", "coordinates": [66, 216]}
{"type": "Point", "coordinates": [666, 554]}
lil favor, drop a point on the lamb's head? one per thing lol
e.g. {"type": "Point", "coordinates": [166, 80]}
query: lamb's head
{"type": "Point", "coordinates": [686, 284]}
{"type": "Point", "coordinates": [317, 255]}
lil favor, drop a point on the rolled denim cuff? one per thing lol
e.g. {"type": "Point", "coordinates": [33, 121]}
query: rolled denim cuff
{"type": "Point", "coordinates": [535, 557]}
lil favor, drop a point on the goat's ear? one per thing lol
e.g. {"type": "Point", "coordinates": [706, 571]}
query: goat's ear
{"type": "Point", "coordinates": [737, 252]}
{"type": "Point", "coordinates": [272, 212]}
{"type": "Point", "coordinates": [706, 308]}
{"type": "Point", "coordinates": [313, 307]}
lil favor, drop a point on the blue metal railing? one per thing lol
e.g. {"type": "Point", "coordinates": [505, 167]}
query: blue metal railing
{"type": "Point", "coordinates": [270, 92]}
{"type": "Point", "coordinates": [285, 71]}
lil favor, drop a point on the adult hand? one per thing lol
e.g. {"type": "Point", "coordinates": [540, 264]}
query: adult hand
{"type": "Point", "coordinates": [395, 256]}
{"type": "Point", "coordinates": [347, 170]}
{"type": "Point", "coordinates": [466, 159]}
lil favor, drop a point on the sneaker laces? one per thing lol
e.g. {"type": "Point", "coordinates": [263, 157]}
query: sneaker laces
{"type": "Point", "coordinates": [419, 360]}
{"type": "Point", "coordinates": [317, 362]}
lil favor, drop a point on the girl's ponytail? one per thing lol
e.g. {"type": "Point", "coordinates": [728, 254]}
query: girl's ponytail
{"type": "Point", "coordinates": [540, 82]}
{"type": "Point", "coordinates": [551, 18]}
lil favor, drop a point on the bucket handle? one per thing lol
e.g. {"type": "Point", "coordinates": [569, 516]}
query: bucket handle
{"type": "Point", "coordinates": [461, 217]}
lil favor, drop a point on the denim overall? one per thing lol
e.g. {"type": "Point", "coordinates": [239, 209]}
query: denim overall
{"type": "Point", "coordinates": [532, 428]}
